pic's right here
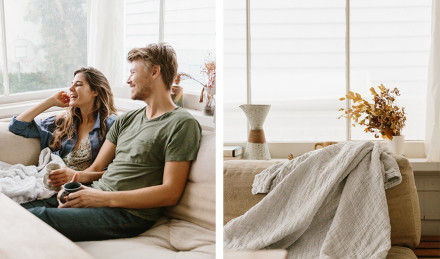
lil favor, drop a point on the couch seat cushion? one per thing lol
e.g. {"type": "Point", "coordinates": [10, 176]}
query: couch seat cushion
{"type": "Point", "coordinates": [167, 239]}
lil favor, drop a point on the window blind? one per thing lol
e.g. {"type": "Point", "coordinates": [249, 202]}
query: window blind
{"type": "Point", "coordinates": [298, 64]}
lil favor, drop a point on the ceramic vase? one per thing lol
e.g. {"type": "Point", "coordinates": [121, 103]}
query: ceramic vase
{"type": "Point", "coordinates": [397, 145]}
{"type": "Point", "coordinates": [256, 147]}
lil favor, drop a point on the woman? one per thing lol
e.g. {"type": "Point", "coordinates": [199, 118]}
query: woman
{"type": "Point", "coordinates": [78, 134]}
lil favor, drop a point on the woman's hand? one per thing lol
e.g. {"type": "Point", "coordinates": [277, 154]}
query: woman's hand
{"type": "Point", "coordinates": [60, 99]}
{"type": "Point", "coordinates": [61, 176]}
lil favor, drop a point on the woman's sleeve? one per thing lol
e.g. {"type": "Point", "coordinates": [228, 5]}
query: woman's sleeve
{"type": "Point", "coordinates": [42, 129]}
{"type": "Point", "coordinates": [110, 120]}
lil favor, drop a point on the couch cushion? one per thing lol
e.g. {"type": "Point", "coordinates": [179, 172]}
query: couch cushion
{"type": "Point", "coordinates": [238, 176]}
{"type": "Point", "coordinates": [15, 149]}
{"type": "Point", "coordinates": [167, 239]}
{"type": "Point", "coordinates": [402, 199]}
{"type": "Point", "coordinates": [197, 204]}
{"type": "Point", "coordinates": [398, 252]}
{"type": "Point", "coordinates": [403, 207]}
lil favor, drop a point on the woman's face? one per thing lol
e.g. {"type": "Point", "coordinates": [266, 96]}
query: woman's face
{"type": "Point", "coordinates": [80, 93]}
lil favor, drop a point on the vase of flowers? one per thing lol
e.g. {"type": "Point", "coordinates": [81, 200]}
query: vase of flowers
{"type": "Point", "coordinates": [207, 96]}
{"type": "Point", "coordinates": [381, 116]}
{"type": "Point", "coordinates": [397, 145]}
{"type": "Point", "coordinates": [208, 92]}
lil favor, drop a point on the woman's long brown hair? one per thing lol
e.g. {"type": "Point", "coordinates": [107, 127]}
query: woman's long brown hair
{"type": "Point", "coordinates": [103, 105]}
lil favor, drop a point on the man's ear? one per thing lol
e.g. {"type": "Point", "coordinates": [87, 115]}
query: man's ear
{"type": "Point", "coordinates": [155, 70]}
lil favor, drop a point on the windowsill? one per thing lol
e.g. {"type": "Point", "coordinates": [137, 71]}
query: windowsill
{"type": "Point", "coordinates": [207, 122]}
{"type": "Point", "coordinates": [421, 165]}
{"type": "Point", "coordinates": [8, 110]}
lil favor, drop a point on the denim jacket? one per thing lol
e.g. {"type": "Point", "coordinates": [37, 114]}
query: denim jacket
{"type": "Point", "coordinates": [44, 129]}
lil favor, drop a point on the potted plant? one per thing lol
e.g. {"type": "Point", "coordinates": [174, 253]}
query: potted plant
{"type": "Point", "coordinates": [207, 95]}
{"type": "Point", "coordinates": [381, 116]}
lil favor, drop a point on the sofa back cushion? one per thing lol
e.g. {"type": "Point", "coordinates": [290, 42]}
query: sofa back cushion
{"type": "Point", "coordinates": [197, 204]}
{"type": "Point", "coordinates": [16, 149]}
{"type": "Point", "coordinates": [403, 203]}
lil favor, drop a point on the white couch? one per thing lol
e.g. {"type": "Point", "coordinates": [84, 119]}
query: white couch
{"type": "Point", "coordinates": [186, 231]}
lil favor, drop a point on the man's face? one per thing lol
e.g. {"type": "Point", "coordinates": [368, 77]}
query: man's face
{"type": "Point", "coordinates": [139, 80]}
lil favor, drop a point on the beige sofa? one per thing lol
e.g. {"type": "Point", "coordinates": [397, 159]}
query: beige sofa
{"type": "Point", "coordinates": [403, 206]}
{"type": "Point", "coordinates": [186, 231]}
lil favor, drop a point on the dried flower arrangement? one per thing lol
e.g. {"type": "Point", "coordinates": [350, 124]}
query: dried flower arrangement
{"type": "Point", "coordinates": [209, 69]}
{"type": "Point", "coordinates": [382, 116]}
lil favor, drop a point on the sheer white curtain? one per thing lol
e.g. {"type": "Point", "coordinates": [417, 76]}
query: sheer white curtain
{"type": "Point", "coordinates": [432, 138]}
{"type": "Point", "coordinates": [105, 39]}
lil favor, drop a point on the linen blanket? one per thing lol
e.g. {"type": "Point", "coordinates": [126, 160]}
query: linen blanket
{"type": "Point", "coordinates": [328, 203]}
{"type": "Point", "coordinates": [25, 183]}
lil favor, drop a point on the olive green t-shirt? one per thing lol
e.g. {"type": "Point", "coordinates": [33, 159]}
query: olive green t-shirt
{"type": "Point", "coordinates": [142, 148]}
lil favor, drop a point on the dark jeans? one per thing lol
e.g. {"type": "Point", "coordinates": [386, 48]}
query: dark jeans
{"type": "Point", "coordinates": [85, 224]}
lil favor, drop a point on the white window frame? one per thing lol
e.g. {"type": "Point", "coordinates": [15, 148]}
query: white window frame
{"type": "Point", "coordinates": [280, 150]}
{"type": "Point", "coordinates": [12, 104]}
{"type": "Point", "coordinates": [15, 103]}
{"type": "Point", "coordinates": [4, 50]}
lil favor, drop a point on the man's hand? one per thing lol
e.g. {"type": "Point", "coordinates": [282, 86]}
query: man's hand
{"type": "Point", "coordinates": [85, 198]}
{"type": "Point", "coordinates": [61, 176]}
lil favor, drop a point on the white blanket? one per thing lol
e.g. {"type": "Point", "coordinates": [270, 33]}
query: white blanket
{"type": "Point", "coordinates": [25, 183]}
{"type": "Point", "coordinates": [329, 203]}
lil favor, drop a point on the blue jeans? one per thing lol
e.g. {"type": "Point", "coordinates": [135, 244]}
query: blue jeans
{"type": "Point", "coordinates": [85, 224]}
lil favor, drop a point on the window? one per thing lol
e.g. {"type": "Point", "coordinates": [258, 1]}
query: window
{"type": "Point", "coordinates": [46, 40]}
{"type": "Point", "coordinates": [189, 26]}
{"type": "Point", "coordinates": [298, 63]}
{"type": "Point", "coordinates": [390, 42]}
{"type": "Point", "coordinates": [141, 23]}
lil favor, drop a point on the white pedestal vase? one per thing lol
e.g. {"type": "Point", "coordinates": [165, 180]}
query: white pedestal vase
{"type": "Point", "coordinates": [397, 145]}
{"type": "Point", "coordinates": [256, 147]}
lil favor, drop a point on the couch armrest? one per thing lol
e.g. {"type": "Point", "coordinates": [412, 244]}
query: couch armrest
{"type": "Point", "coordinates": [16, 149]}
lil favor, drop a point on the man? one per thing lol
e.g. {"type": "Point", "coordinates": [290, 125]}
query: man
{"type": "Point", "coordinates": [149, 153]}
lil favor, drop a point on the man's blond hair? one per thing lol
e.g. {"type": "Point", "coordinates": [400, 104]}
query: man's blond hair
{"type": "Point", "coordinates": [160, 54]}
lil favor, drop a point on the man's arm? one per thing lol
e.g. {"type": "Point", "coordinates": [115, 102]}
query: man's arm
{"type": "Point", "coordinates": [94, 172]}
{"type": "Point", "coordinates": [167, 194]}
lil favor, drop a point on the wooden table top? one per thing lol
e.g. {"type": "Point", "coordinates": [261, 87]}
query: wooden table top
{"type": "Point", "coordinates": [22, 235]}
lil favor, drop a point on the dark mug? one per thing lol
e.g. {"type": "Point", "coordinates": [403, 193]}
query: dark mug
{"type": "Point", "coordinates": [69, 188]}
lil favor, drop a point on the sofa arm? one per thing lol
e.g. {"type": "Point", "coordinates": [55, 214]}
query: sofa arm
{"type": "Point", "coordinates": [16, 149]}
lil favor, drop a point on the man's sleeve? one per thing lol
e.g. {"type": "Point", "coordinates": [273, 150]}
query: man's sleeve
{"type": "Point", "coordinates": [185, 142]}
{"type": "Point", "coordinates": [113, 133]}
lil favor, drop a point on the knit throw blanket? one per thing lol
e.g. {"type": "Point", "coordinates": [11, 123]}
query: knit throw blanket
{"type": "Point", "coordinates": [25, 183]}
{"type": "Point", "coordinates": [328, 203]}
